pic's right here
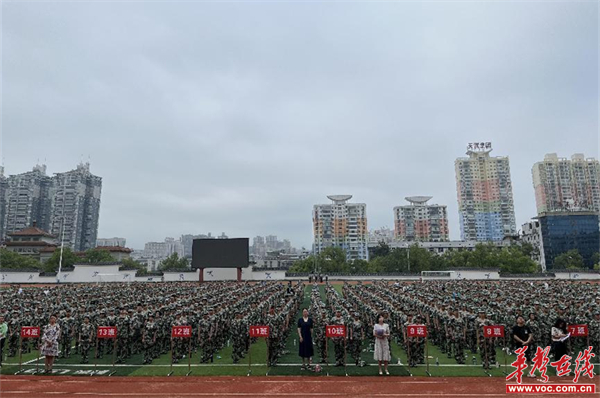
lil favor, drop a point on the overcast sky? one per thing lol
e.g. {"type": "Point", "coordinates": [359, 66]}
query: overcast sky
{"type": "Point", "coordinates": [238, 117]}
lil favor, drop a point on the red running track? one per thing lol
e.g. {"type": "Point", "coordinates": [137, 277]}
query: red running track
{"type": "Point", "coordinates": [271, 387]}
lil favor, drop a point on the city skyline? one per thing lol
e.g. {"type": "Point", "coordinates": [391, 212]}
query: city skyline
{"type": "Point", "coordinates": [195, 124]}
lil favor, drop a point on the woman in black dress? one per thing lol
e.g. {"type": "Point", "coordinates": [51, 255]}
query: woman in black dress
{"type": "Point", "coordinates": [305, 328]}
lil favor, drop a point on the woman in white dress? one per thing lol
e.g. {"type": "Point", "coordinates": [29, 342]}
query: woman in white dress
{"type": "Point", "coordinates": [381, 332]}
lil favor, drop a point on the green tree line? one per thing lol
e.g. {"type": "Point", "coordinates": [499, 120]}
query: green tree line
{"type": "Point", "coordinates": [514, 259]}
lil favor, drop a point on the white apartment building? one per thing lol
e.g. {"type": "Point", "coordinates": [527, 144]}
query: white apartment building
{"type": "Point", "coordinates": [562, 183]}
{"type": "Point", "coordinates": [341, 224]}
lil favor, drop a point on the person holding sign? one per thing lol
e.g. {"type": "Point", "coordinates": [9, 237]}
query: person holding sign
{"type": "Point", "coordinates": [305, 329]}
{"type": "Point", "coordinates": [338, 342]}
{"type": "Point", "coordinates": [50, 343]}
{"type": "Point", "coordinates": [381, 332]}
{"type": "Point", "coordinates": [559, 337]}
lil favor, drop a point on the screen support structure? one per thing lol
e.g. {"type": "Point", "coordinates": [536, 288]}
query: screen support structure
{"type": "Point", "coordinates": [201, 275]}
{"type": "Point", "coordinates": [239, 274]}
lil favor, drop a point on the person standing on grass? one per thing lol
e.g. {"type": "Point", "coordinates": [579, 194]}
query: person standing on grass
{"type": "Point", "coordinates": [305, 329]}
{"type": "Point", "coordinates": [3, 333]}
{"type": "Point", "coordinates": [559, 332]}
{"type": "Point", "coordinates": [381, 332]}
{"type": "Point", "coordinates": [50, 343]}
{"type": "Point", "coordinates": [523, 337]}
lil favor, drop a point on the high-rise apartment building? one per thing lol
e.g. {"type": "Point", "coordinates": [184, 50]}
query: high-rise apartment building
{"type": "Point", "coordinates": [561, 184]}
{"type": "Point", "coordinates": [420, 221]}
{"type": "Point", "coordinates": [26, 201]}
{"type": "Point", "coordinates": [485, 198]}
{"type": "Point", "coordinates": [75, 211]}
{"type": "Point", "coordinates": [70, 199]}
{"type": "Point", "coordinates": [341, 224]}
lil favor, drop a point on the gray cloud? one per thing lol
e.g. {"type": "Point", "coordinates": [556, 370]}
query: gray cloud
{"type": "Point", "coordinates": [238, 117]}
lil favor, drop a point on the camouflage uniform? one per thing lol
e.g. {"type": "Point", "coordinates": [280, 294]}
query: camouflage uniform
{"type": "Point", "coordinates": [122, 323]}
{"type": "Point", "coordinates": [239, 335]}
{"type": "Point", "coordinates": [149, 340]}
{"type": "Point", "coordinates": [338, 342]}
{"type": "Point", "coordinates": [486, 345]}
{"type": "Point", "coordinates": [14, 332]}
{"type": "Point", "coordinates": [355, 343]}
{"type": "Point", "coordinates": [85, 340]}
{"type": "Point", "coordinates": [273, 321]}
{"type": "Point", "coordinates": [67, 324]}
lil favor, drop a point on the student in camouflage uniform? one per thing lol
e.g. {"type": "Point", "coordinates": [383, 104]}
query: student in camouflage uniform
{"type": "Point", "coordinates": [205, 337]}
{"type": "Point", "coordinates": [534, 326]}
{"type": "Point", "coordinates": [177, 342]}
{"type": "Point", "coordinates": [338, 342]}
{"type": "Point", "coordinates": [487, 350]}
{"type": "Point", "coordinates": [357, 336]}
{"type": "Point", "coordinates": [122, 323]}
{"type": "Point", "coordinates": [458, 336]}
{"type": "Point", "coordinates": [419, 342]}
{"type": "Point", "coordinates": [320, 339]}
{"type": "Point", "coordinates": [137, 321]}
{"type": "Point", "coordinates": [111, 320]}
{"type": "Point", "coordinates": [14, 331]}
{"type": "Point", "coordinates": [102, 343]}
{"type": "Point", "coordinates": [239, 331]}
{"type": "Point", "coordinates": [86, 332]}
{"type": "Point", "coordinates": [27, 321]}
{"type": "Point", "coordinates": [274, 322]}
{"type": "Point", "coordinates": [149, 340]}
{"type": "Point", "coordinates": [79, 317]}
{"type": "Point", "coordinates": [67, 324]}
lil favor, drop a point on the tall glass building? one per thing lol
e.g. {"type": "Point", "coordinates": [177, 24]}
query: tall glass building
{"type": "Point", "coordinates": [564, 231]}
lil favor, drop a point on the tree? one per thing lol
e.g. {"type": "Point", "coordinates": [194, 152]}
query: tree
{"type": "Point", "coordinates": [173, 262]}
{"type": "Point", "coordinates": [139, 267]}
{"type": "Point", "coordinates": [306, 265]}
{"type": "Point", "coordinates": [332, 259]}
{"type": "Point", "coordinates": [457, 259]}
{"type": "Point", "coordinates": [596, 260]}
{"type": "Point", "coordinates": [96, 256]}
{"type": "Point", "coordinates": [12, 260]}
{"type": "Point", "coordinates": [569, 260]}
{"type": "Point", "coordinates": [512, 260]}
{"type": "Point", "coordinates": [381, 250]}
{"type": "Point", "coordinates": [358, 266]}
{"type": "Point", "coordinates": [69, 258]}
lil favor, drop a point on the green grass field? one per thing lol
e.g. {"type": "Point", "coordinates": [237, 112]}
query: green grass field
{"type": "Point", "coordinates": [289, 363]}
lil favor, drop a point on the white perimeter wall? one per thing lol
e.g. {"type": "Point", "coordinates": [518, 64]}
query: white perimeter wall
{"type": "Point", "coordinates": [110, 273]}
